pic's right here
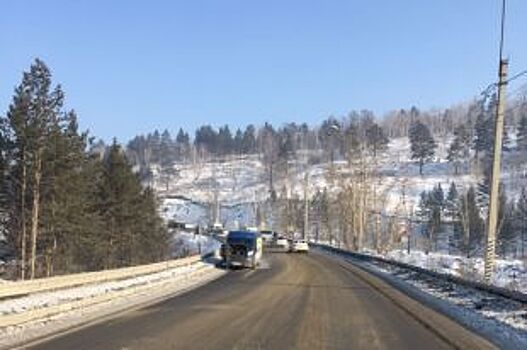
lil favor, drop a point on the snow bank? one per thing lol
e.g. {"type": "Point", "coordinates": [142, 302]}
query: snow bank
{"type": "Point", "coordinates": [185, 243]}
{"type": "Point", "coordinates": [123, 296]}
{"type": "Point", "coordinates": [500, 319]}
{"type": "Point", "coordinates": [510, 274]}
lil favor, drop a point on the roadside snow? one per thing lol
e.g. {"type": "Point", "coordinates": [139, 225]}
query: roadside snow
{"type": "Point", "coordinates": [499, 319]}
{"type": "Point", "coordinates": [510, 274]}
{"type": "Point", "coordinates": [150, 289]}
{"type": "Point", "coordinates": [47, 299]}
{"type": "Point", "coordinates": [185, 243]}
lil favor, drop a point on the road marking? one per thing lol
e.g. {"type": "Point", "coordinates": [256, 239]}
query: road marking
{"type": "Point", "coordinates": [248, 273]}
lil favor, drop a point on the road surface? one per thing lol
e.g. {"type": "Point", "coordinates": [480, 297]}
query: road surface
{"type": "Point", "coordinates": [296, 302]}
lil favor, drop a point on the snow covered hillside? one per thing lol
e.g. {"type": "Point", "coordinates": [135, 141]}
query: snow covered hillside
{"type": "Point", "coordinates": [240, 181]}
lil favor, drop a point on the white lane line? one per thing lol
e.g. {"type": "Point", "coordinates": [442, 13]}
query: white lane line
{"type": "Point", "coordinates": [248, 273]}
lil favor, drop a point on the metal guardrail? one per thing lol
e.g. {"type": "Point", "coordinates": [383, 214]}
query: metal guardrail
{"type": "Point", "coordinates": [20, 288]}
{"type": "Point", "coordinates": [46, 311]}
{"type": "Point", "coordinates": [499, 291]}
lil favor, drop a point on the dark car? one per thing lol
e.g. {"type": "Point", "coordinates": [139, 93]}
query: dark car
{"type": "Point", "coordinates": [242, 248]}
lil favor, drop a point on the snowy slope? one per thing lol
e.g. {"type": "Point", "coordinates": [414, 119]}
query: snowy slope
{"type": "Point", "coordinates": [242, 180]}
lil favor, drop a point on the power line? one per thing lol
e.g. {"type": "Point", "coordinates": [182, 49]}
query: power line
{"type": "Point", "coordinates": [492, 86]}
{"type": "Point", "coordinates": [519, 75]}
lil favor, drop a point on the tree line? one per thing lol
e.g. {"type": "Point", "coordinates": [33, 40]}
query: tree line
{"type": "Point", "coordinates": [359, 138]}
{"type": "Point", "coordinates": [458, 215]}
{"type": "Point", "coordinates": [65, 207]}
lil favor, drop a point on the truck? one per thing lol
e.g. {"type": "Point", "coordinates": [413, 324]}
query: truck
{"type": "Point", "coordinates": [242, 249]}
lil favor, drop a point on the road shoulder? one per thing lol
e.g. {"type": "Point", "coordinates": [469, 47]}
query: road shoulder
{"type": "Point", "coordinates": [416, 305]}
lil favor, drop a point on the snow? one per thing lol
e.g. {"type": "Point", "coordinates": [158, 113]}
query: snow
{"type": "Point", "coordinates": [510, 274]}
{"type": "Point", "coordinates": [155, 287]}
{"type": "Point", "coordinates": [502, 320]}
{"type": "Point", "coordinates": [184, 210]}
{"type": "Point", "coordinates": [189, 243]}
{"type": "Point", "coordinates": [486, 305]}
{"type": "Point", "coordinates": [46, 299]}
{"type": "Point", "coordinates": [240, 181]}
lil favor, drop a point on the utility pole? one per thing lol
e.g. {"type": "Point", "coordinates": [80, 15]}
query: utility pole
{"type": "Point", "coordinates": [216, 211]}
{"type": "Point", "coordinates": [496, 160]}
{"type": "Point", "coordinates": [305, 149]}
{"type": "Point", "coordinates": [409, 234]}
{"type": "Point", "coordinates": [408, 218]}
{"type": "Point", "coordinates": [306, 206]}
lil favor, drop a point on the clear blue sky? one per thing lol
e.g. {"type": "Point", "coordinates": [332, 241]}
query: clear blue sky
{"type": "Point", "coordinates": [131, 66]}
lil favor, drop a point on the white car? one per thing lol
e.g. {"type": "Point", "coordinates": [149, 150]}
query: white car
{"type": "Point", "coordinates": [282, 242]}
{"type": "Point", "coordinates": [267, 236]}
{"type": "Point", "coordinates": [300, 246]}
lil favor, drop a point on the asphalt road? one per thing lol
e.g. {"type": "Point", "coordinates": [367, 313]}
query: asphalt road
{"type": "Point", "coordinates": [297, 302]}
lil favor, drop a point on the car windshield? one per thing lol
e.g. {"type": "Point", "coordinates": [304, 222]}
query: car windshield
{"type": "Point", "coordinates": [248, 242]}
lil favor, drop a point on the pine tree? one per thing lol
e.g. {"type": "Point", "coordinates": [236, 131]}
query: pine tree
{"type": "Point", "coordinates": [520, 220]}
{"type": "Point", "coordinates": [471, 224]}
{"type": "Point", "coordinates": [459, 148]}
{"type": "Point", "coordinates": [506, 236]}
{"type": "Point", "coordinates": [167, 149]}
{"type": "Point", "coordinates": [119, 190]}
{"type": "Point", "coordinates": [330, 137]}
{"type": "Point", "coordinates": [376, 139]}
{"type": "Point", "coordinates": [154, 145]}
{"type": "Point", "coordinates": [207, 138]}
{"type": "Point", "coordinates": [435, 203]}
{"type": "Point", "coordinates": [63, 189]}
{"type": "Point", "coordinates": [35, 110]}
{"type": "Point", "coordinates": [238, 141]}
{"type": "Point", "coordinates": [16, 138]}
{"type": "Point", "coordinates": [424, 214]}
{"type": "Point", "coordinates": [150, 242]}
{"type": "Point", "coordinates": [5, 198]}
{"type": "Point", "coordinates": [323, 207]}
{"type": "Point", "coordinates": [481, 141]}
{"type": "Point", "coordinates": [167, 157]}
{"type": "Point", "coordinates": [422, 143]}
{"type": "Point", "coordinates": [521, 135]}
{"type": "Point", "coordinates": [286, 148]}
{"type": "Point", "coordinates": [451, 202]}
{"type": "Point", "coordinates": [249, 140]}
{"type": "Point", "coordinates": [451, 210]}
{"type": "Point", "coordinates": [224, 141]}
{"type": "Point", "coordinates": [78, 208]}
{"type": "Point", "coordinates": [352, 140]}
{"type": "Point", "coordinates": [182, 145]}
